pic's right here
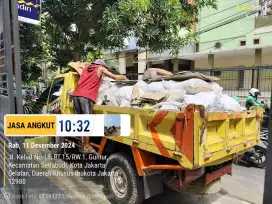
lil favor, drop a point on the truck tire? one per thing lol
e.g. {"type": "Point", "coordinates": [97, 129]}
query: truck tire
{"type": "Point", "coordinates": [126, 187]}
{"type": "Point", "coordinates": [259, 160]}
{"type": "Point", "coordinates": [57, 140]}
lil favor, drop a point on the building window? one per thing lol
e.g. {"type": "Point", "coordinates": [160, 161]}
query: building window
{"type": "Point", "coordinates": [242, 43]}
{"type": "Point", "coordinates": [256, 41]}
{"type": "Point", "coordinates": [197, 47]}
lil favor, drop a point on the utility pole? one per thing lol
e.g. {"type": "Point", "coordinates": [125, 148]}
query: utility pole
{"type": "Point", "coordinates": [17, 58]}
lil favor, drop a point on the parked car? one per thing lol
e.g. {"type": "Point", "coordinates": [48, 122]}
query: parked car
{"type": "Point", "coordinates": [27, 91]}
{"type": "Point", "coordinates": [30, 91]}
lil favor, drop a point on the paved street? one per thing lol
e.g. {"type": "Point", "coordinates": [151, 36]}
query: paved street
{"type": "Point", "coordinates": [245, 186]}
{"type": "Point", "coordinates": [1, 199]}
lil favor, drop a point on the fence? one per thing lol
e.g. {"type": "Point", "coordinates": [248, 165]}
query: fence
{"type": "Point", "coordinates": [237, 81]}
{"type": "Point", "coordinates": [134, 76]}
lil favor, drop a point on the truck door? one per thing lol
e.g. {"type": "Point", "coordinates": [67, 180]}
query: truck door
{"type": "Point", "coordinates": [56, 96]}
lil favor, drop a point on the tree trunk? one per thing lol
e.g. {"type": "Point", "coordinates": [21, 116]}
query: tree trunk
{"type": "Point", "coordinates": [76, 55]}
{"type": "Point", "coordinates": [77, 43]}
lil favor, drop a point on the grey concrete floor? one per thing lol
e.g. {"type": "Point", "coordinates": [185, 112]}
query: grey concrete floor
{"type": "Point", "coordinates": [1, 199]}
{"type": "Point", "coordinates": [244, 186]}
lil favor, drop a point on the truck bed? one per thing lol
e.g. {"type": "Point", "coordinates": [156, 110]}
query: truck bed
{"type": "Point", "coordinates": [195, 137]}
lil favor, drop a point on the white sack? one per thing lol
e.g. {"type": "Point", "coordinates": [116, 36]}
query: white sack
{"type": "Point", "coordinates": [176, 95]}
{"type": "Point", "coordinates": [226, 103]}
{"type": "Point", "coordinates": [169, 85]}
{"type": "Point", "coordinates": [217, 89]}
{"type": "Point", "coordinates": [124, 93]}
{"type": "Point", "coordinates": [167, 105]}
{"type": "Point", "coordinates": [155, 87]}
{"type": "Point", "coordinates": [125, 103]}
{"type": "Point", "coordinates": [139, 89]}
{"type": "Point", "coordinates": [104, 85]}
{"type": "Point", "coordinates": [214, 86]}
{"type": "Point", "coordinates": [100, 97]}
{"type": "Point", "coordinates": [206, 99]}
{"type": "Point", "coordinates": [111, 95]}
{"type": "Point", "coordinates": [193, 86]}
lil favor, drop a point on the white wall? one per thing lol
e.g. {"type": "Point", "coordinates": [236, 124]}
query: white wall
{"type": "Point", "coordinates": [224, 62]}
{"type": "Point", "coordinates": [233, 61]}
{"type": "Point", "coordinates": [122, 63]}
{"type": "Point", "coordinates": [166, 54]}
{"type": "Point", "coordinates": [141, 64]}
{"type": "Point", "coordinates": [267, 59]}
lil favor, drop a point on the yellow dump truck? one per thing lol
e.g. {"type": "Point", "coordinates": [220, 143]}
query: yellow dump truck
{"type": "Point", "coordinates": [188, 150]}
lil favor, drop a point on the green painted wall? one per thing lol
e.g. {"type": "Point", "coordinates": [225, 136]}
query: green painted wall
{"type": "Point", "coordinates": [231, 34]}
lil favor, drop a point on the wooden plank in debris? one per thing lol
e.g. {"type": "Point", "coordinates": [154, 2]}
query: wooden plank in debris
{"type": "Point", "coordinates": [123, 82]}
{"type": "Point", "coordinates": [182, 76]}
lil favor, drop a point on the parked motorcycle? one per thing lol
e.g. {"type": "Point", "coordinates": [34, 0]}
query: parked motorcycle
{"type": "Point", "coordinates": [256, 156]}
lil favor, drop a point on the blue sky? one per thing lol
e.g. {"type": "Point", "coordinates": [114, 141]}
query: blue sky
{"type": "Point", "coordinates": [110, 120]}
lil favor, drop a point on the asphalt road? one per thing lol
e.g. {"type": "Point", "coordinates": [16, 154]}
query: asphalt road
{"type": "Point", "coordinates": [244, 186]}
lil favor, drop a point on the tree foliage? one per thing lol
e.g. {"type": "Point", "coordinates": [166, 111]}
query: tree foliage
{"type": "Point", "coordinates": [32, 53]}
{"type": "Point", "coordinates": [76, 28]}
{"type": "Point", "coordinates": [81, 29]}
{"type": "Point", "coordinates": [73, 27]}
{"type": "Point", "coordinates": [157, 25]}
{"type": "Point", "coordinates": [112, 63]}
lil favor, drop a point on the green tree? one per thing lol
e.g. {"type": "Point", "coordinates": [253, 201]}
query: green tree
{"type": "Point", "coordinates": [31, 44]}
{"type": "Point", "coordinates": [75, 28]}
{"type": "Point", "coordinates": [112, 63]}
{"type": "Point", "coordinates": [157, 25]}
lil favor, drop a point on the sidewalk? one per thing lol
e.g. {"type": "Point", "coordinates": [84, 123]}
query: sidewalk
{"type": "Point", "coordinates": [244, 187]}
{"type": "Point", "coordinates": [2, 199]}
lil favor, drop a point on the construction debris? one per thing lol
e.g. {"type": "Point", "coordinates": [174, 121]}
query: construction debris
{"type": "Point", "coordinates": [185, 75]}
{"type": "Point", "coordinates": [173, 92]}
{"type": "Point", "coordinates": [112, 131]}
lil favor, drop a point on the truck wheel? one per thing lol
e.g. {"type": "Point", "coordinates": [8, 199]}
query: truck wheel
{"type": "Point", "coordinates": [57, 140]}
{"type": "Point", "coordinates": [122, 183]}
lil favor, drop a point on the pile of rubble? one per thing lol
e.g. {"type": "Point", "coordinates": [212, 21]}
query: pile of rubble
{"type": "Point", "coordinates": [172, 92]}
{"type": "Point", "coordinates": [112, 131]}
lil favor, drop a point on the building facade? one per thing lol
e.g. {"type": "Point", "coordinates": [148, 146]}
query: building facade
{"type": "Point", "coordinates": [240, 36]}
{"type": "Point", "coordinates": [247, 41]}
{"type": "Point", "coordinates": [134, 60]}
{"type": "Point", "coordinates": [237, 34]}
